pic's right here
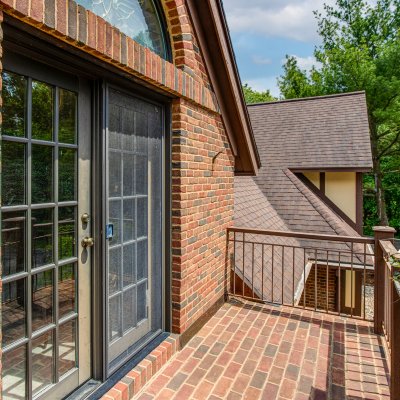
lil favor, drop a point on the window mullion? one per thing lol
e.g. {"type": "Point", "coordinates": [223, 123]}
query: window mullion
{"type": "Point", "coordinates": [28, 240]}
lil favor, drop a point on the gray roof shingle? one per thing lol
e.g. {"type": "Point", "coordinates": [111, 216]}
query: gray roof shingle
{"type": "Point", "coordinates": [320, 133]}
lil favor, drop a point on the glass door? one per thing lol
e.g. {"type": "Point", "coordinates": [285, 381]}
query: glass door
{"type": "Point", "coordinates": [46, 139]}
{"type": "Point", "coordinates": [134, 237]}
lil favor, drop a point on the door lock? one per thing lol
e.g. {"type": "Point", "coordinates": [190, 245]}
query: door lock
{"type": "Point", "coordinates": [85, 218]}
{"type": "Point", "coordinates": [87, 242]}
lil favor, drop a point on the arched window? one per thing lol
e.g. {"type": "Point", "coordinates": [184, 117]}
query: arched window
{"type": "Point", "coordinates": [139, 19]}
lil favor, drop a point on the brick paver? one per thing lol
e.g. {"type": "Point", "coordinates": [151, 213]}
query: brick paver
{"type": "Point", "coordinates": [253, 351]}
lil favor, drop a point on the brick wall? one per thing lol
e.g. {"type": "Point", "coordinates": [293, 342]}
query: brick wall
{"type": "Point", "coordinates": [202, 162]}
{"type": "Point", "coordinates": [321, 289]}
{"type": "Point", "coordinates": [202, 209]}
{"type": "Point", "coordinates": [186, 52]}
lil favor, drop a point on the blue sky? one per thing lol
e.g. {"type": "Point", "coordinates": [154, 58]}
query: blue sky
{"type": "Point", "coordinates": [264, 31]}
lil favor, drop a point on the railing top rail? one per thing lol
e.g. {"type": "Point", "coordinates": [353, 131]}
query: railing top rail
{"type": "Point", "coordinates": [387, 247]}
{"type": "Point", "coordinates": [304, 235]}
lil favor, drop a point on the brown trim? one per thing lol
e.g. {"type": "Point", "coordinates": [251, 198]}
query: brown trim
{"type": "Point", "coordinates": [209, 21]}
{"type": "Point", "coordinates": [185, 337]}
{"type": "Point", "coordinates": [322, 182]}
{"type": "Point", "coordinates": [328, 96]}
{"type": "Point", "coordinates": [356, 311]}
{"type": "Point", "coordinates": [302, 235]}
{"type": "Point", "coordinates": [380, 233]}
{"type": "Point", "coordinates": [327, 201]}
{"type": "Point", "coordinates": [359, 203]}
{"type": "Point", "coordinates": [331, 169]}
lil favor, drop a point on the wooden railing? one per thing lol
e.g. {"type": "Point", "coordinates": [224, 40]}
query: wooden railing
{"type": "Point", "coordinates": [327, 273]}
{"type": "Point", "coordinates": [390, 320]}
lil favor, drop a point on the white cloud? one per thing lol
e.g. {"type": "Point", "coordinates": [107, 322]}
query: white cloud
{"type": "Point", "coordinates": [261, 60]}
{"type": "Point", "coordinates": [293, 19]}
{"type": "Point", "coordinates": [306, 62]}
{"type": "Point", "coordinates": [266, 83]}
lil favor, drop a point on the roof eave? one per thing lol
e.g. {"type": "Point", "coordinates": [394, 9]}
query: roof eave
{"type": "Point", "coordinates": [212, 33]}
{"type": "Point", "coordinates": [364, 169]}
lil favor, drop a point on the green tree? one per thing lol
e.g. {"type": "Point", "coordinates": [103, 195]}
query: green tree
{"type": "Point", "coordinates": [252, 96]}
{"type": "Point", "coordinates": [360, 50]}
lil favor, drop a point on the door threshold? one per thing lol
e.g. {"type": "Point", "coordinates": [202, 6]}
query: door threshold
{"type": "Point", "coordinates": [118, 375]}
{"type": "Point", "coordinates": [84, 391]}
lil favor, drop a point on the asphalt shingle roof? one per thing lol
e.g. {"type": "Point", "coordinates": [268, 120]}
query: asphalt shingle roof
{"type": "Point", "coordinates": [317, 133]}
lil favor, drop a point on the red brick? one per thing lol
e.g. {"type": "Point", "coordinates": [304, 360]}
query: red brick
{"type": "Point", "coordinates": [91, 29]}
{"type": "Point", "coordinates": [37, 11]}
{"type": "Point", "coordinates": [22, 6]}
{"type": "Point", "coordinates": [222, 386]}
{"type": "Point", "coordinates": [203, 390]}
{"type": "Point", "coordinates": [9, 3]}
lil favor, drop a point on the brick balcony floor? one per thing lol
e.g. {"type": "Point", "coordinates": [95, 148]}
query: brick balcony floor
{"type": "Point", "coordinates": [252, 351]}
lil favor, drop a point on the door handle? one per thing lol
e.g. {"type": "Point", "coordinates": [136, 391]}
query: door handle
{"type": "Point", "coordinates": [87, 242]}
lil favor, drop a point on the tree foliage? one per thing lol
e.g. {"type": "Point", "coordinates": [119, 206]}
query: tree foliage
{"type": "Point", "coordinates": [253, 96]}
{"type": "Point", "coordinates": [360, 50]}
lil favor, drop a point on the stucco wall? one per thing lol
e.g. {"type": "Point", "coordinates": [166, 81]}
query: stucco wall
{"type": "Point", "coordinates": [313, 177]}
{"type": "Point", "coordinates": [341, 188]}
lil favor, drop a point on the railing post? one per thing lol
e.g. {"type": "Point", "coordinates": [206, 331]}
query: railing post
{"type": "Point", "coordinates": [380, 233]}
{"type": "Point", "coordinates": [395, 348]}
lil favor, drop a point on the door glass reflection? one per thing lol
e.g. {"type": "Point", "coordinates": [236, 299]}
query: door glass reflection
{"type": "Point", "coordinates": [67, 116]}
{"type": "Point", "coordinates": [129, 220]}
{"type": "Point", "coordinates": [67, 347]}
{"type": "Point", "coordinates": [42, 237]}
{"type": "Point", "coordinates": [14, 101]}
{"type": "Point", "coordinates": [42, 111]}
{"type": "Point", "coordinates": [114, 162]}
{"type": "Point", "coordinates": [14, 374]}
{"type": "Point", "coordinates": [114, 313]}
{"type": "Point", "coordinates": [66, 233]}
{"type": "Point", "coordinates": [142, 136]}
{"type": "Point", "coordinates": [13, 173]}
{"type": "Point", "coordinates": [129, 312]}
{"type": "Point", "coordinates": [129, 264]}
{"type": "Point", "coordinates": [42, 174]}
{"type": "Point", "coordinates": [141, 301]}
{"type": "Point", "coordinates": [129, 174]}
{"type": "Point", "coordinates": [13, 311]}
{"type": "Point", "coordinates": [42, 299]}
{"type": "Point", "coordinates": [114, 139]}
{"type": "Point", "coordinates": [142, 258]}
{"type": "Point", "coordinates": [66, 289]}
{"type": "Point", "coordinates": [42, 362]}
{"type": "Point", "coordinates": [128, 129]}
{"type": "Point", "coordinates": [142, 220]}
{"type": "Point", "coordinates": [114, 280]}
{"type": "Point", "coordinates": [66, 171]}
{"type": "Point", "coordinates": [13, 242]}
{"type": "Point", "coordinates": [141, 175]}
